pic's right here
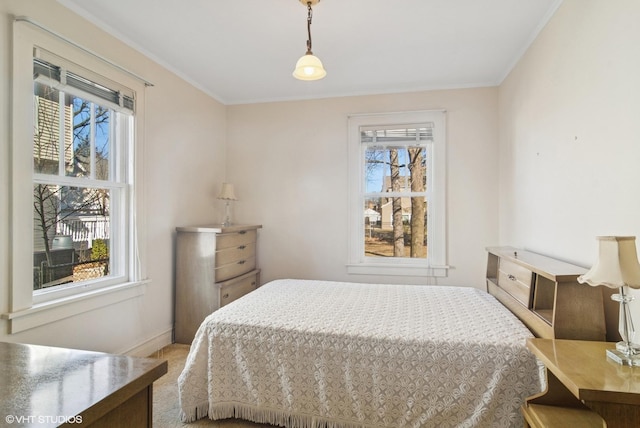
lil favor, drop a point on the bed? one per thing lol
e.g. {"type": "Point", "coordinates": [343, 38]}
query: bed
{"type": "Point", "coordinates": [303, 353]}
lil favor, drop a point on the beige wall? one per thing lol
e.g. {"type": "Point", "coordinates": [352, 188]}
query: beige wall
{"type": "Point", "coordinates": [184, 162]}
{"type": "Point", "coordinates": [569, 135]}
{"type": "Point", "coordinates": [288, 161]}
{"type": "Point", "coordinates": [566, 121]}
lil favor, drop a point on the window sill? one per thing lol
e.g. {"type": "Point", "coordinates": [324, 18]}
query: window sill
{"type": "Point", "coordinates": [397, 270]}
{"type": "Point", "coordinates": [54, 310]}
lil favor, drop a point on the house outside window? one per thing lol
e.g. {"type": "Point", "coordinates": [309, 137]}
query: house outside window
{"type": "Point", "coordinates": [397, 194]}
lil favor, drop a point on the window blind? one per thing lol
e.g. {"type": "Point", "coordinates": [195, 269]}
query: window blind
{"type": "Point", "coordinates": [69, 78]}
{"type": "Point", "coordinates": [396, 133]}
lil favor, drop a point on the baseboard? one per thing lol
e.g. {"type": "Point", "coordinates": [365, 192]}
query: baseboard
{"type": "Point", "coordinates": [150, 346]}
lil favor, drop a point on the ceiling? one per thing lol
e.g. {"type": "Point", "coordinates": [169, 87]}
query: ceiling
{"type": "Point", "coordinates": [244, 51]}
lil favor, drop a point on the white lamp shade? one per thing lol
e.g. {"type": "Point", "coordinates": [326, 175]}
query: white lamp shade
{"type": "Point", "coordinates": [309, 67]}
{"type": "Point", "coordinates": [617, 263]}
{"type": "Point", "coordinates": [226, 192]}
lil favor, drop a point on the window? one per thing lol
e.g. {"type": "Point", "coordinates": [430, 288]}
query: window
{"type": "Point", "coordinates": [81, 141]}
{"type": "Point", "coordinates": [76, 180]}
{"type": "Point", "coordinates": [397, 194]}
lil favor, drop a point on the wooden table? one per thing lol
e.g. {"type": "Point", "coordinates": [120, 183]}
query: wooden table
{"type": "Point", "coordinates": [584, 388]}
{"type": "Point", "coordinates": [49, 387]}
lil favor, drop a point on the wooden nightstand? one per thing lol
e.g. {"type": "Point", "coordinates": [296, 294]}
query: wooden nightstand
{"type": "Point", "coordinates": [584, 388]}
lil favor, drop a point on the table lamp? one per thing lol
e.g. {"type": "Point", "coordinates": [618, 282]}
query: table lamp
{"type": "Point", "coordinates": [227, 194]}
{"type": "Point", "coordinates": [617, 267]}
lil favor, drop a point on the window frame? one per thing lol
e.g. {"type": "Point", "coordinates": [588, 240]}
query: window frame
{"type": "Point", "coordinates": [120, 122]}
{"type": "Point", "coordinates": [25, 309]}
{"type": "Point", "coordinates": [434, 265]}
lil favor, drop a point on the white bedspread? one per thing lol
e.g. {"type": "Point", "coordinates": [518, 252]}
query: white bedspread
{"type": "Point", "coordinates": [328, 354]}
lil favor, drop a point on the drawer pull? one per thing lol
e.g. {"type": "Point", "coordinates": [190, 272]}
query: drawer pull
{"type": "Point", "coordinates": [511, 277]}
{"type": "Point", "coordinates": [242, 247]}
{"type": "Point", "coordinates": [226, 296]}
{"type": "Point", "coordinates": [241, 262]}
{"type": "Point", "coordinates": [253, 283]}
{"type": "Point", "coordinates": [242, 232]}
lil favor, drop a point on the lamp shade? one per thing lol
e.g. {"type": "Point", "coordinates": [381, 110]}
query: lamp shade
{"type": "Point", "coordinates": [226, 192]}
{"type": "Point", "coordinates": [309, 67]}
{"type": "Point", "coordinates": [617, 263]}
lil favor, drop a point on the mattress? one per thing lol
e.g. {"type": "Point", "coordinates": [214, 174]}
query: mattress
{"type": "Point", "coordinates": [303, 353]}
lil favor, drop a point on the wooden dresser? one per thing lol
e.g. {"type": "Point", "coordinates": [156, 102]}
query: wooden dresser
{"type": "Point", "coordinates": [44, 386]}
{"type": "Point", "coordinates": [215, 265]}
{"type": "Point", "coordinates": [544, 293]}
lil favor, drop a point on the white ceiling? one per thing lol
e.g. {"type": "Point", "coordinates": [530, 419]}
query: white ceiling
{"type": "Point", "coordinates": [244, 51]}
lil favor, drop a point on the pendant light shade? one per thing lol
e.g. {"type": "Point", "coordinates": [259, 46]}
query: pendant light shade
{"type": "Point", "coordinates": [309, 67]}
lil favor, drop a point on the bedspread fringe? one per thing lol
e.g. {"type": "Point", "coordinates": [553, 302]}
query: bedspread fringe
{"type": "Point", "coordinates": [198, 412]}
{"type": "Point", "coordinates": [273, 417]}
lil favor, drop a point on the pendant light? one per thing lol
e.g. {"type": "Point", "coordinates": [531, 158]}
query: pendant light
{"type": "Point", "coordinates": [309, 66]}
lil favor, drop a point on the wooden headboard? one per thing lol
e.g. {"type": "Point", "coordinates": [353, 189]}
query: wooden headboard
{"type": "Point", "coordinates": [545, 294]}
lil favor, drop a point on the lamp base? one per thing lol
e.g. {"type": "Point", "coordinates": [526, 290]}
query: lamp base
{"type": "Point", "coordinates": [623, 358]}
{"type": "Point", "coordinates": [623, 346]}
{"type": "Point", "coordinates": [227, 214]}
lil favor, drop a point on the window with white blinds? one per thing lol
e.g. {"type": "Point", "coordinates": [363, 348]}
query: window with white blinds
{"type": "Point", "coordinates": [397, 193]}
{"type": "Point", "coordinates": [77, 180]}
{"type": "Point", "coordinates": [81, 147]}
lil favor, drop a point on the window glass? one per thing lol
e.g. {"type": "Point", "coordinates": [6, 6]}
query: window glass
{"type": "Point", "coordinates": [46, 135]}
{"type": "Point", "coordinates": [395, 206]}
{"type": "Point", "coordinates": [74, 226]}
{"type": "Point", "coordinates": [91, 137]}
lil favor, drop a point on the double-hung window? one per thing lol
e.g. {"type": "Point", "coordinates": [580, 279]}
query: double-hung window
{"type": "Point", "coordinates": [397, 194]}
{"type": "Point", "coordinates": [81, 140]}
{"type": "Point", "coordinates": [76, 180]}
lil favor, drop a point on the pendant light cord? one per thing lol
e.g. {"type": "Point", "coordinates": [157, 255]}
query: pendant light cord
{"type": "Point", "coordinates": [309, 16]}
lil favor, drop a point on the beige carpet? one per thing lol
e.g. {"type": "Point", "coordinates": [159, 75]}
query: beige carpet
{"type": "Point", "coordinates": [166, 413]}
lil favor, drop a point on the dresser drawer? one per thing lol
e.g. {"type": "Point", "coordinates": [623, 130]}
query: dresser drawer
{"type": "Point", "coordinates": [234, 289]}
{"type": "Point", "coordinates": [235, 254]}
{"type": "Point", "coordinates": [516, 280]}
{"type": "Point", "coordinates": [234, 269]}
{"type": "Point", "coordinates": [235, 239]}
